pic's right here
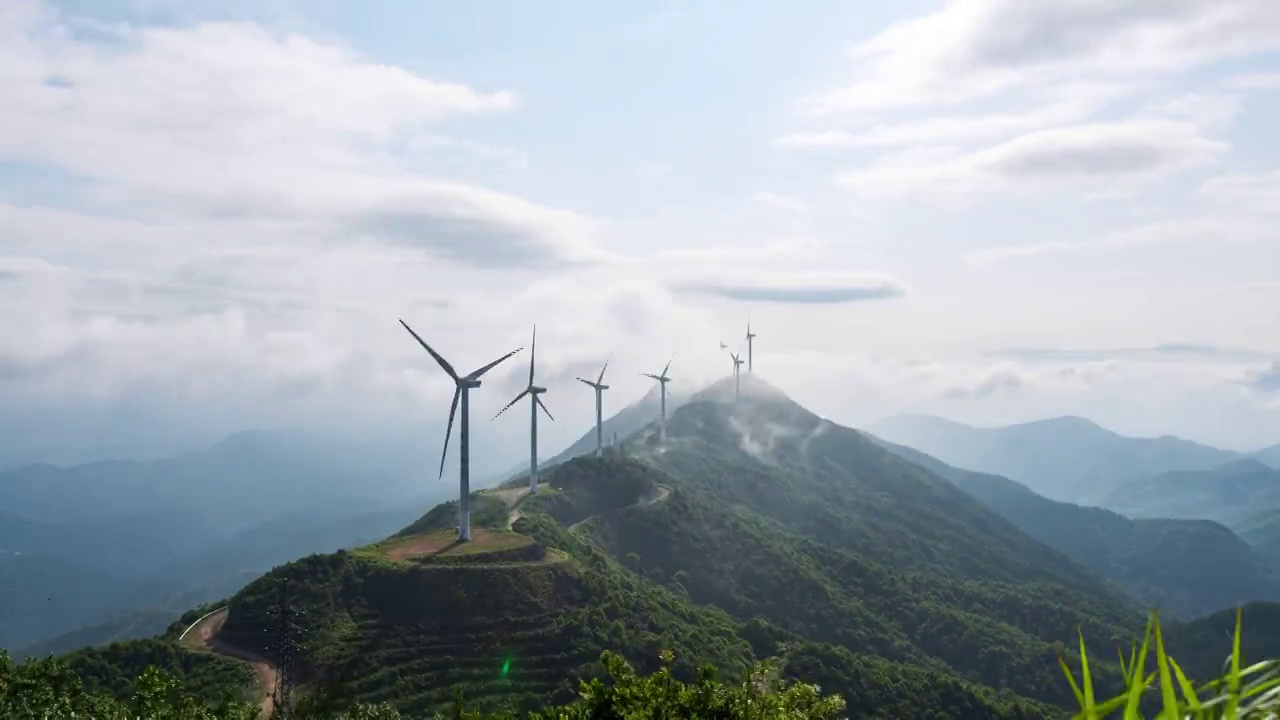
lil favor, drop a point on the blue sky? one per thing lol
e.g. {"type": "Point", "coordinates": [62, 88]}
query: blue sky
{"type": "Point", "coordinates": [224, 206]}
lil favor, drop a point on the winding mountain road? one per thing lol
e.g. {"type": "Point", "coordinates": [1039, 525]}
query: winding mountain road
{"type": "Point", "coordinates": [663, 493]}
{"type": "Point", "coordinates": [203, 635]}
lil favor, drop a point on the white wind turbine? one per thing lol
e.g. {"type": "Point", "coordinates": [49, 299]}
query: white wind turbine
{"type": "Point", "coordinates": [535, 402]}
{"type": "Point", "coordinates": [599, 387]}
{"type": "Point", "coordinates": [750, 336]}
{"type": "Point", "coordinates": [462, 390]}
{"type": "Point", "coordinates": [662, 395]}
{"type": "Point", "coordinates": [737, 374]}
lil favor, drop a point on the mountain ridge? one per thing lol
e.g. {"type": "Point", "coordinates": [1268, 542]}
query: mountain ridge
{"type": "Point", "coordinates": [1069, 459]}
{"type": "Point", "coordinates": [1146, 557]}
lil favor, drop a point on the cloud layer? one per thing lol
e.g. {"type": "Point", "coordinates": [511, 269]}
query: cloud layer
{"type": "Point", "coordinates": [212, 225]}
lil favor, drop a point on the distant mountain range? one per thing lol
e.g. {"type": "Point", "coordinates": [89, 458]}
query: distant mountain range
{"type": "Point", "coordinates": [1069, 458]}
{"type": "Point", "coordinates": [1186, 567]}
{"type": "Point", "coordinates": [1229, 493]}
{"type": "Point", "coordinates": [106, 543]}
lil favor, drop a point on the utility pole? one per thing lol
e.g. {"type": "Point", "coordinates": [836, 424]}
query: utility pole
{"type": "Point", "coordinates": [283, 649]}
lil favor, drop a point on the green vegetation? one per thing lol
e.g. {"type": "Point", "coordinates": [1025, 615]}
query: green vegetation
{"type": "Point", "coordinates": [50, 690]}
{"type": "Point", "coordinates": [1240, 691]}
{"type": "Point", "coordinates": [1185, 567]}
{"type": "Point", "coordinates": [758, 531]}
{"type": "Point", "coordinates": [112, 670]}
{"type": "Point", "coordinates": [1155, 685]}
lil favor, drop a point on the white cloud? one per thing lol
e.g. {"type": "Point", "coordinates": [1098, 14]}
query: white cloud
{"type": "Point", "coordinates": [246, 212]}
{"type": "Point", "coordinates": [1072, 103]}
{"type": "Point", "coordinates": [263, 125]}
{"type": "Point", "coordinates": [1256, 192]}
{"type": "Point", "coordinates": [971, 49]}
{"type": "Point", "coordinates": [829, 288]}
{"type": "Point", "coordinates": [781, 202]}
{"type": "Point", "coordinates": [1254, 81]}
{"type": "Point", "coordinates": [1214, 110]}
{"type": "Point", "coordinates": [1072, 156]}
{"type": "Point", "coordinates": [1210, 229]}
{"type": "Point", "coordinates": [1266, 380]}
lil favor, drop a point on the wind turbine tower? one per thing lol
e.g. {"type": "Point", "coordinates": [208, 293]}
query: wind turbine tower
{"type": "Point", "coordinates": [535, 402]}
{"type": "Point", "coordinates": [462, 391]}
{"type": "Point", "coordinates": [750, 336]}
{"type": "Point", "coordinates": [737, 375]}
{"type": "Point", "coordinates": [599, 387]}
{"type": "Point", "coordinates": [662, 396]}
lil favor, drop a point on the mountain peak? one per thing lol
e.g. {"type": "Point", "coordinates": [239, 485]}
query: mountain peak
{"type": "Point", "coordinates": [749, 386]}
{"type": "Point", "coordinates": [1065, 423]}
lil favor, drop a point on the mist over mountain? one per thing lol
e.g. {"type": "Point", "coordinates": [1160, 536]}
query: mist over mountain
{"type": "Point", "coordinates": [623, 423]}
{"type": "Point", "coordinates": [102, 543]}
{"type": "Point", "coordinates": [1270, 456]}
{"type": "Point", "coordinates": [1068, 458]}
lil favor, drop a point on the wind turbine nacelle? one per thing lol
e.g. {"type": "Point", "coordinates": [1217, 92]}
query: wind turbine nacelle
{"type": "Point", "coordinates": [469, 383]}
{"type": "Point", "coordinates": [603, 387]}
{"type": "Point", "coordinates": [537, 390]}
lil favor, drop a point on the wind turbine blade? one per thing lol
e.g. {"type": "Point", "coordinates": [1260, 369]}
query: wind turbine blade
{"type": "Point", "coordinates": [651, 375]}
{"type": "Point", "coordinates": [513, 402]}
{"type": "Point", "coordinates": [601, 378]}
{"type": "Point", "coordinates": [533, 352]}
{"type": "Point", "coordinates": [723, 346]}
{"type": "Point", "coordinates": [668, 367]}
{"type": "Point", "coordinates": [476, 375]}
{"type": "Point", "coordinates": [443, 363]}
{"type": "Point", "coordinates": [453, 408]}
{"type": "Point", "coordinates": [538, 400]}
{"type": "Point", "coordinates": [588, 382]}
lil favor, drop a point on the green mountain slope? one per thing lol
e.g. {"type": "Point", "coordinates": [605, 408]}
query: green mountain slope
{"type": "Point", "coordinates": [756, 529]}
{"type": "Point", "coordinates": [514, 624]}
{"type": "Point", "coordinates": [1262, 531]}
{"type": "Point", "coordinates": [1229, 493]}
{"type": "Point", "coordinates": [1068, 458]}
{"type": "Point", "coordinates": [1186, 567]}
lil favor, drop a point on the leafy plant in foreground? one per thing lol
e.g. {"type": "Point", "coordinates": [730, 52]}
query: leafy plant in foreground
{"type": "Point", "coordinates": [1240, 693]}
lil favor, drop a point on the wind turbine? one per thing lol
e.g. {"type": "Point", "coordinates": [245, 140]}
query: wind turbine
{"type": "Point", "coordinates": [533, 391]}
{"type": "Point", "coordinates": [599, 387]}
{"type": "Point", "coordinates": [737, 374]}
{"type": "Point", "coordinates": [662, 395]}
{"type": "Point", "coordinates": [462, 390]}
{"type": "Point", "coordinates": [750, 337]}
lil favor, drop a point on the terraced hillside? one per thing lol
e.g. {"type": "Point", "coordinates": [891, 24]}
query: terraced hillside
{"type": "Point", "coordinates": [505, 619]}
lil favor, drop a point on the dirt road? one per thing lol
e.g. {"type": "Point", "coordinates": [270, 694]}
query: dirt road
{"type": "Point", "coordinates": [203, 635]}
{"type": "Point", "coordinates": [512, 497]}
